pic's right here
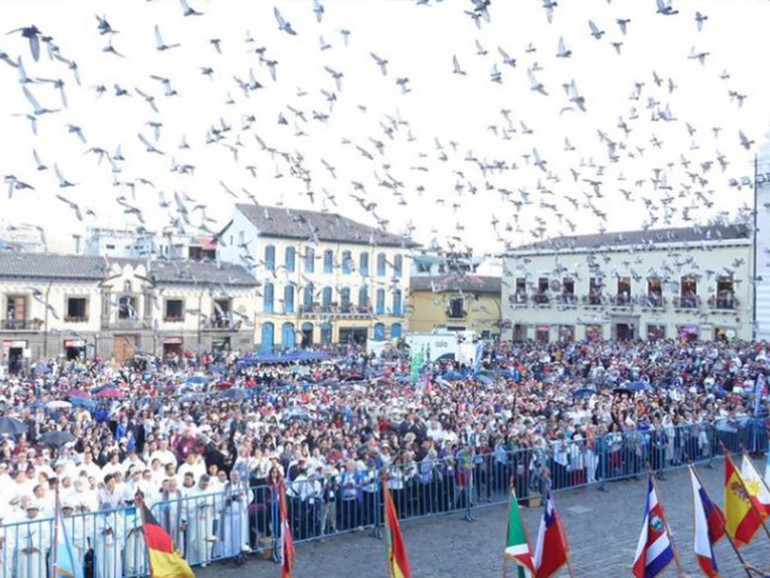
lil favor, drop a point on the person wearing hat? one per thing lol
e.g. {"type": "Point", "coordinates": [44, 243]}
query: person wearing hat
{"type": "Point", "coordinates": [31, 544]}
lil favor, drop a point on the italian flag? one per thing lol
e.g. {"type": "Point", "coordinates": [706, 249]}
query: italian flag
{"type": "Point", "coordinates": [516, 544]}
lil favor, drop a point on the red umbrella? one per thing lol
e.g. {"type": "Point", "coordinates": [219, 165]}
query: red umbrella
{"type": "Point", "coordinates": [78, 393]}
{"type": "Point", "coordinates": [224, 385]}
{"type": "Point", "coordinates": [111, 393]}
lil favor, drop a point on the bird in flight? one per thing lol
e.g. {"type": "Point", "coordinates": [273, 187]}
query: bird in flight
{"type": "Point", "coordinates": [283, 24]}
{"type": "Point", "coordinates": [33, 35]}
{"type": "Point", "coordinates": [160, 46]}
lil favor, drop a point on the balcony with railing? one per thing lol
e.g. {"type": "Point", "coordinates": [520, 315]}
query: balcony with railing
{"type": "Point", "coordinates": [345, 310]}
{"type": "Point", "coordinates": [518, 299]}
{"type": "Point", "coordinates": [75, 319]}
{"type": "Point", "coordinates": [593, 300]}
{"type": "Point", "coordinates": [131, 323]}
{"type": "Point", "coordinates": [567, 300]}
{"type": "Point", "coordinates": [456, 313]}
{"type": "Point", "coordinates": [621, 300]}
{"type": "Point", "coordinates": [725, 302]}
{"type": "Point", "coordinates": [541, 299]}
{"type": "Point", "coordinates": [687, 302]}
{"type": "Point", "coordinates": [652, 301]}
{"type": "Point", "coordinates": [21, 324]}
{"type": "Point", "coordinates": [224, 323]}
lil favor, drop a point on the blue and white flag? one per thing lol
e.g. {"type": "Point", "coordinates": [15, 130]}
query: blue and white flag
{"type": "Point", "coordinates": [66, 565]}
{"type": "Point", "coordinates": [759, 387]}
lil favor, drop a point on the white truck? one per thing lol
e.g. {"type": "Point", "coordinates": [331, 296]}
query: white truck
{"type": "Point", "coordinates": [457, 345]}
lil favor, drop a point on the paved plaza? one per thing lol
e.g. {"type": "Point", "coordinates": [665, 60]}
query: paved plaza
{"type": "Point", "coordinates": [602, 528]}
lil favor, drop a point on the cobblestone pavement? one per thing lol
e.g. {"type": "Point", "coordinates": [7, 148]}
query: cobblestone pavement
{"type": "Point", "coordinates": [602, 527]}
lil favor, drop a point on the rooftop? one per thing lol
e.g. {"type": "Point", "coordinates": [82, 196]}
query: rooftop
{"type": "Point", "coordinates": [466, 283]}
{"type": "Point", "coordinates": [304, 224]}
{"type": "Point", "coordinates": [92, 268]}
{"type": "Point", "coordinates": [694, 234]}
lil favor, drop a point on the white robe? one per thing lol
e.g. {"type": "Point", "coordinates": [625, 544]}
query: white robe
{"type": "Point", "coordinates": [200, 526]}
{"type": "Point", "coordinates": [109, 536]}
{"type": "Point", "coordinates": [135, 551]}
{"type": "Point", "coordinates": [234, 532]}
{"type": "Point", "coordinates": [35, 534]}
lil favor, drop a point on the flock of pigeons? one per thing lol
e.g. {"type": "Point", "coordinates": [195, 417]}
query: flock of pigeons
{"type": "Point", "coordinates": [536, 196]}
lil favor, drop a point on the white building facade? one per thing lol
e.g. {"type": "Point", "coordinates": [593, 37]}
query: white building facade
{"type": "Point", "coordinates": [689, 283]}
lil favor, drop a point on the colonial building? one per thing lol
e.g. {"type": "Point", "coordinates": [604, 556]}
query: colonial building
{"type": "Point", "coordinates": [455, 303]}
{"type": "Point", "coordinates": [324, 278]}
{"type": "Point", "coordinates": [76, 305]}
{"type": "Point", "coordinates": [692, 282]}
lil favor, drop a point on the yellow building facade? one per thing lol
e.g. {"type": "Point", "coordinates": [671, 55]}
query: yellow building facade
{"type": "Point", "coordinates": [455, 303]}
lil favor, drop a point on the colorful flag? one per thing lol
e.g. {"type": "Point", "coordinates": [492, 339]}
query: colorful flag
{"type": "Point", "coordinates": [516, 544]}
{"type": "Point", "coordinates": [755, 485]}
{"type": "Point", "coordinates": [418, 361]}
{"type": "Point", "coordinates": [551, 550]}
{"type": "Point", "coordinates": [709, 527]}
{"type": "Point", "coordinates": [654, 551]}
{"type": "Point", "coordinates": [66, 565]}
{"type": "Point", "coordinates": [741, 508]}
{"type": "Point", "coordinates": [398, 562]}
{"type": "Point", "coordinates": [165, 559]}
{"type": "Point", "coordinates": [287, 542]}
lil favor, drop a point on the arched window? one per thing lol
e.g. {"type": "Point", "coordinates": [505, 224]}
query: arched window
{"type": "Point", "coordinates": [127, 287]}
{"type": "Point", "coordinates": [379, 331]}
{"type": "Point", "coordinates": [268, 336]}
{"type": "Point", "coordinates": [288, 338]}
{"type": "Point", "coordinates": [290, 258]}
{"type": "Point", "coordinates": [395, 331]}
{"type": "Point", "coordinates": [307, 297]}
{"type": "Point", "coordinates": [307, 334]}
{"type": "Point", "coordinates": [268, 296]}
{"type": "Point", "coordinates": [270, 257]}
{"type": "Point", "coordinates": [398, 265]}
{"type": "Point", "coordinates": [288, 298]}
{"type": "Point", "coordinates": [380, 301]}
{"type": "Point", "coordinates": [326, 333]}
{"type": "Point", "coordinates": [363, 263]}
{"type": "Point", "coordinates": [397, 302]}
{"type": "Point", "coordinates": [381, 264]}
{"type": "Point", "coordinates": [345, 299]}
{"type": "Point", "coordinates": [326, 300]}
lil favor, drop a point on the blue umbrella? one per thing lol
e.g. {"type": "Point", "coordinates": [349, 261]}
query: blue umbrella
{"type": "Point", "coordinates": [12, 426]}
{"type": "Point", "coordinates": [583, 392]}
{"type": "Point", "coordinates": [234, 394]}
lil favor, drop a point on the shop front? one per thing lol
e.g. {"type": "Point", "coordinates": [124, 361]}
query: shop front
{"type": "Point", "coordinates": [74, 349]}
{"type": "Point", "coordinates": [172, 346]}
{"type": "Point", "coordinates": [13, 355]}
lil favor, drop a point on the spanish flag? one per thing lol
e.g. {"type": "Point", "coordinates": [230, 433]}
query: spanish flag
{"type": "Point", "coordinates": [287, 542]}
{"type": "Point", "coordinates": [165, 560]}
{"type": "Point", "coordinates": [398, 562]}
{"type": "Point", "coordinates": [742, 509]}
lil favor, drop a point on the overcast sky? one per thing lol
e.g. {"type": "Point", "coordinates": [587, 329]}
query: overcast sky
{"type": "Point", "coordinates": [433, 149]}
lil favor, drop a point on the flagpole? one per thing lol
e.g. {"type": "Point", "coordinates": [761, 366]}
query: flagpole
{"type": "Point", "coordinates": [139, 501]}
{"type": "Point", "coordinates": [726, 533]}
{"type": "Point", "coordinates": [57, 513]}
{"type": "Point", "coordinates": [511, 503]}
{"type": "Point", "coordinates": [678, 563]}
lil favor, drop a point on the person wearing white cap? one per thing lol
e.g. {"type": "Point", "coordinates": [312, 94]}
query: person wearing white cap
{"type": "Point", "coordinates": [31, 541]}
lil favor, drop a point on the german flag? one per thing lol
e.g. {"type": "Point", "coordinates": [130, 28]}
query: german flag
{"type": "Point", "coordinates": [165, 559]}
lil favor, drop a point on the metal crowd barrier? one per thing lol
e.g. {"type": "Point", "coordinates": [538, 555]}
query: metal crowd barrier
{"type": "Point", "coordinates": [244, 520]}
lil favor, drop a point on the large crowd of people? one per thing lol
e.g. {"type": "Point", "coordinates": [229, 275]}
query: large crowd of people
{"type": "Point", "coordinates": [208, 441]}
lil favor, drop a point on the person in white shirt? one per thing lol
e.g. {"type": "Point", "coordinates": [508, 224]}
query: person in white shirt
{"type": "Point", "coordinates": [113, 466]}
{"type": "Point", "coordinates": [164, 454]}
{"type": "Point", "coordinates": [200, 523]}
{"type": "Point", "coordinates": [193, 464]}
{"type": "Point", "coordinates": [89, 467]}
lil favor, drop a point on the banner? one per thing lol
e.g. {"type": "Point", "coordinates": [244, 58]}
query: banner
{"type": "Point", "coordinates": [418, 360]}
